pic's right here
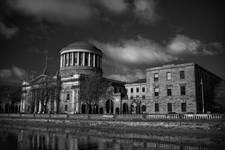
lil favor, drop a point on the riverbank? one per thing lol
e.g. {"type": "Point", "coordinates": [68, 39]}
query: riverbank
{"type": "Point", "coordinates": [167, 125]}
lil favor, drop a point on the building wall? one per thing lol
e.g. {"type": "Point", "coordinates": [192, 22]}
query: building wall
{"type": "Point", "coordinates": [176, 99]}
{"type": "Point", "coordinates": [136, 95]}
{"type": "Point", "coordinates": [208, 87]}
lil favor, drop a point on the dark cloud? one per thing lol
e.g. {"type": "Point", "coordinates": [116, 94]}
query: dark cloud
{"type": "Point", "coordinates": [65, 12]}
{"type": "Point", "coordinates": [13, 75]}
{"type": "Point", "coordinates": [8, 31]}
{"type": "Point", "coordinates": [145, 10]}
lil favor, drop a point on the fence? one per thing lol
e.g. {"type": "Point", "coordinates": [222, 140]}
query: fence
{"type": "Point", "coordinates": [122, 117]}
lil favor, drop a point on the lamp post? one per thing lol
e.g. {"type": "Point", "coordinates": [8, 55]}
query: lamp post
{"type": "Point", "coordinates": [202, 93]}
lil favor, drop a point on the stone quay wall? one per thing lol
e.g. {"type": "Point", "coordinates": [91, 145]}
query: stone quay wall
{"type": "Point", "coordinates": [121, 121]}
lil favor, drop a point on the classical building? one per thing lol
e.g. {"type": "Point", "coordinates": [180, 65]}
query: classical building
{"type": "Point", "coordinates": [60, 93]}
{"type": "Point", "coordinates": [181, 88]}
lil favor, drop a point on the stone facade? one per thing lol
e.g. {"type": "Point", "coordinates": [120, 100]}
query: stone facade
{"type": "Point", "coordinates": [77, 61]}
{"type": "Point", "coordinates": [181, 88]}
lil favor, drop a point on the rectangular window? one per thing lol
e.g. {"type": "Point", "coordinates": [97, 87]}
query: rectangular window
{"type": "Point", "coordinates": [68, 96]}
{"type": "Point", "coordinates": [169, 107]}
{"type": "Point", "coordinates": [137, 90]}
{"type": "Point", "coordinates": [131, 90]}
{"type": "Point", "coordinates": [156, 107]}
{"type": "Point", "coordinates": [183, 107]}
{"type": "Point", "coordinates": [96, 61]}
{"type": "Point", "coordinates": [131, 97]}
{"type": "Point", "coordinates": [80, 59]}
{"type": "Point", "coordinates": [91, 60]}
{"type": "Point", "coordinates": [86, 59]}
{"type": "Point", "coordinates": [156, 91]}
{"type": "Point", "coordinates": [168, 76]}
{"type": "Point", "coordinates": [182, 75]}
{"type": "Point", "coordinates": [143, 96]}
{"type": "Point", "coordinates": [70, 59]}
{"type": "Point", "coordinates": [169, 90]}
{"type": "Point", "coordinates": [156, 77]}
{"type": "Point", "coordinates": [182, 90]}
{"type": "Point", "coordinates": [65, 107]}
{"type": "Point", "coordinates": [143, 89]}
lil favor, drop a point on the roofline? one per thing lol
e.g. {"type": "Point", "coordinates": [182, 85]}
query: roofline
{"type": "Point", "coordinates": [170, 66]}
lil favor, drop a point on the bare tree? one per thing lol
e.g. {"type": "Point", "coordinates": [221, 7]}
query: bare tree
{"type": "Point", "coordinates": [93, 89]}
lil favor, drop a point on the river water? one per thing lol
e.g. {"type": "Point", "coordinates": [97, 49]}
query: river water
{"type": "Point", "coordinates": [42, 138]}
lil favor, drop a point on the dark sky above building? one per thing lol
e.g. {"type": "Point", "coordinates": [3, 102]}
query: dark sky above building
{"type": "Point", "coordinates": [133, 34]}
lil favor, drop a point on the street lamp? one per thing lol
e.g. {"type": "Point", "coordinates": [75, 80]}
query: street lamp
{"type": "Point", "coordinates": [202, 92]}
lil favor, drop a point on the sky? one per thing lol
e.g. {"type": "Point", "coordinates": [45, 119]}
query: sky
{"type": "Point", "coordinates": [133, 34]}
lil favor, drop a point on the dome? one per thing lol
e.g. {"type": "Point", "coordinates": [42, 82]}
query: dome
{"type": "Point", "coordinates": [82, 45]}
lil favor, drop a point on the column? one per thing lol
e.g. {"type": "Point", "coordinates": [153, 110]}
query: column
{"type": "Point", "coordinates": [89, 59]}
{"type": "Point", "coordinates": [60, 61]}
{"type": "Point", "coordinates": [39, 111]}
{"type": "Point", "coordinates": [64, 60]}
{"type": "Point", "coordinates": [55, 106]}
{"type": "Point", "coordinates": [93, 60]}
{"type": "Point", "coordinates": [78, 58]}
{"type": "Point", "coordinates": [83, 58]}
{"type": "Point", "coordinates": [72, 59]}
{"type": "Point", "coordinates": [73, 101]}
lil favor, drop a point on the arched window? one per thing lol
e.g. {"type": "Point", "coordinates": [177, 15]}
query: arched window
{"type": "Point", "coordinates": [143, 108]}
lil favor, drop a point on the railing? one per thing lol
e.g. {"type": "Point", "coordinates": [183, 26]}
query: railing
{"type": "Point", "coordinates": [122, 116]}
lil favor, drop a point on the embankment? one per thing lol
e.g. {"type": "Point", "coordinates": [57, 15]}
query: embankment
{"type": "Point", "coordinates": [120, 123]}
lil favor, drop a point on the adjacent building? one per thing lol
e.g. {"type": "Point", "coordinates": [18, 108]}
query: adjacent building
{"type": "Point", "coordinates": [180, 88]}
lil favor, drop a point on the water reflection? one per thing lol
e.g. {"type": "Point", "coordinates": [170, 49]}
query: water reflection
{"type": "Point", "coordinates": [18, 138]}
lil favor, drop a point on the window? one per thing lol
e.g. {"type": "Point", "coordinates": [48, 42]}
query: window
{"type": "Point", "coordinates": [131, 97]}
{"type": "Point", "coordinates": [156, 91]}
{"type": "Point", "coordinates": [182, 75]}
{"type": "Point", "coordinates": [169, 90]}
{"type": "Point", "coordinates": [65, 107]}
{"type": "Point", "coordinates": [156, 76]}
{"type": "Point", "coordinates": [183, 107]}
{"type": "Point", "coordinates": [70, 59]}
{"type": "Point", "coordinates": [168, 76]}
{"type": "Point", "coordinates": [137, 96]}
{"type": "Point", "coordinates": [81, 59]}
{"type": "Point", "coordinates": [143, 89]}
{"type": "Point", "coordinates": [182, 90]}
{"type": "Point", "coordinates": [143, 108]}
{"type": "Point", "coordinates": [169, 107]}
{"type": "Point", "coordinates": [131, 90]}
{"type": "Point", "coordinates": [143, 96]}
{"type": "Point", "coordinates": [156, 107]}
{"type": "Point", "coordinates": [137, 90]}
{"type": "Point", "coordinates": [86, 59]}
{"type": "Point", "coordinates": [68, 96]}
{"type": "Point", "coordinates": [91, 60]}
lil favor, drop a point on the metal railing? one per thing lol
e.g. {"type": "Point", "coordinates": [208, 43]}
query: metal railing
{"type": "Point", "coordinates": [121, 116]}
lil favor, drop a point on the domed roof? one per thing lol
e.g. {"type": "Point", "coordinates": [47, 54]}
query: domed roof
{"type": "Point", "coordinates": [82, 45]}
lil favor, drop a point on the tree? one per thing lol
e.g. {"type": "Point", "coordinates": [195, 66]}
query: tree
{"type": "Point", "coordinates": [93, 89]}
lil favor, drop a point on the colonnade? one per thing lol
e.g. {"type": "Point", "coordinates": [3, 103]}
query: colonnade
{"type": "Point", "coordinates": [80, 58]}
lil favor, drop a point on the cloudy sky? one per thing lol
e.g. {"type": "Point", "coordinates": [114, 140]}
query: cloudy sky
{"type": "Point", "coordinates": [133, 34]}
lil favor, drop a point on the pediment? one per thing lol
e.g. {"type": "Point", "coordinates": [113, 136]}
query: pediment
{"type": "Point", "coordinates": [39, 79]}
